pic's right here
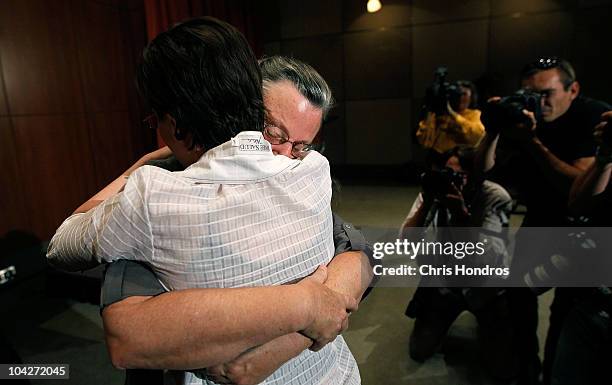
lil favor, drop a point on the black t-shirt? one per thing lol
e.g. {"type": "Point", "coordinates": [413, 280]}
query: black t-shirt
{"type": "Point", "coordinates": [569, 137]}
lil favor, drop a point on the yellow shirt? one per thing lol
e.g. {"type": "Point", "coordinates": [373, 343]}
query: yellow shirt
{"type": "Point", "coordinates": [443, 133]}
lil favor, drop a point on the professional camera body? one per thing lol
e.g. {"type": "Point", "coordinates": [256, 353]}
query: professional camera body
{"type": "Point", "coordinates": [441, 92]}
{"type": "Point", "coordinates": [439, 182]}
{"type": "Point", "coordinates": [508, 111]}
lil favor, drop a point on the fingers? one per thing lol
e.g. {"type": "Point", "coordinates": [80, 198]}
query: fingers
{"type": "Point", "coordinates": [218, 374]}
{"type": "Point", "coordinates": [331, 317]}
{"type": "Point", "coordinates": [351, 304]}
{"type": "Point", "coordinates": [531, 116]}
{"type": "Point", "coordinates": [321, 342]}
{"type": "Point", "coordinates": [602, 131]}
{"type": "Point", "coordinates": [220, 380]}
{"type": "Point", "coordinates": [598, 132]}
{"type": "Point", "coordinates": [345, 324]}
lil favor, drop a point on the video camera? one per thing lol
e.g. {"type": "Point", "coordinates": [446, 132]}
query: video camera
{"type": "Point", "coordinates": [441, 92]}
{"type": "Point", "coordinates": [508, 111]}
{"type": "Point", "coordinates": [439, 182]}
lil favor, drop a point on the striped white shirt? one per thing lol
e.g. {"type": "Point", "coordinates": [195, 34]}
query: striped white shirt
{"type": "Point", "coordinates": [238, 217]}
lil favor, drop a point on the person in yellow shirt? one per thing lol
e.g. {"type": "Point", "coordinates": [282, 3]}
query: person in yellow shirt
{"type": "Point", "coordinates": [460, 127]}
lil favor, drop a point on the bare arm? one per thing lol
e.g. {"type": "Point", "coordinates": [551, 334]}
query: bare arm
{"type": "Point", "coordinates": [350, 273]}
{"type": "Point", "coordinates": [485, 153]}
{"type": "Point", "coordinates": [204, 327]}
{"type": "Point", "coordinates": [417, 215]}
{"type": "Point", "coordinates": [588, 186]}
{"type": "Point", "coordinates": [559, 173]}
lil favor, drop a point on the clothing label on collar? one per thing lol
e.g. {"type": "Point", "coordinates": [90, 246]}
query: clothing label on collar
{"type": "Point", "coordinates": [246, 144]}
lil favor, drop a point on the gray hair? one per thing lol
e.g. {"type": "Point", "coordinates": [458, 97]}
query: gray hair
{"type": "Point", "coordinates": [306, 79]}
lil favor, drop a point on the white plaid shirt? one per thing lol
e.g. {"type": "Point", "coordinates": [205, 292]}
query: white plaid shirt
{"type": "Point", "coordinates": [238, 217]}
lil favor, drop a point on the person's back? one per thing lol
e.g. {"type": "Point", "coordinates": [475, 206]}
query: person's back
{"type": "Point", "coordinates": [237, 217]}
{"type": "Point", "coordinates": [230, 220]}
{"type": "Point", "coordinates": [222, 221]}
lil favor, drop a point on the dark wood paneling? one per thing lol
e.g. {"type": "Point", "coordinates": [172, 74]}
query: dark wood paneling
{"type": "Point", "coordinates": [377, 64]}
{"type": "Point", "coordinates": [307, 18]}
{"type": "Point", "coordinates": [427, 11]}
{"type": "Point", "coordinates": [435, 45]}
{"type": "Point", "coordinates": [505, 7]}
{"type": "Point", "coordinates": [590, 58]}
{"type": "Point", "coordinates": [68, 67]}
{"type": "Point", "coordinates": [3, 107]}
{"type": "Point", "coordinates": [268, 17]}
{"type": "Point", "coordinates": [392, 14]}
{"type": "Point", "coordinates": [112, 142]}
{"type": "Point", "coordinates": [100, 54]}
{"type": "Point", "coordinates": [55, 152]}
{"type": "Point", "coordinates": [134, 37]}
{"type": "Point", "coordinates": [39, 57]}
{"type": "Point", "coordinates": [333, 135]}
{"type": "Point", "coordinates": [324, 54]}
{"type": "Point", "coordinates": [516, 41]}
{"type": "Point", "coordinates": [13, 215]}
{"type": "Point", "coordinates": [373, 125]}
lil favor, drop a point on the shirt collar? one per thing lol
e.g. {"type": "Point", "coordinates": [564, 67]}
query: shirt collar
{"type": "Point", "coordinates": [247, 157]}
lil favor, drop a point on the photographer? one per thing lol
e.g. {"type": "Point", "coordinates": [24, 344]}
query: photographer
{"type": "Point", "coordinates": [551, 153]}
{"type": "Point", "coordinates": [450, 117]}
{"type": "Point", "coordinates": [452, 197]}
{"type": "Point", "coordinates": [545, 146]}
{"type": "Point", "coordinates": [585, 341]}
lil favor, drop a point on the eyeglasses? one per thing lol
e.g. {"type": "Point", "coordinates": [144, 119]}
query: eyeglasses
{"type": "Point", "coordinates": [275, 135]}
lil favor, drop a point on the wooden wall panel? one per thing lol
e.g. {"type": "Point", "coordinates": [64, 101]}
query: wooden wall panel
{"type": "Point", "coordinates": [394, 13]}
{"type": "Point", "coordinates": [68, 69]}
{"type": "Point", "coordinates": [112, 144]}
{"type": "Point", "coordinates": [307, 18]}
{"type": "Point", "coordinates": [134, 37]}
{"type": "Point", "coordinates": [377, 64]}
{"type": "Point", "coordinates": [13, 215]}
{"type": "Point", "coordinates": [39, 58]}
{"type": "Point", "coordinates": [58, 169]}
{"type": "Point", "coordinates": [100, 54]}
{"type": "Point", "coordinates": [369, 133]}
{"type": "Point", "coordinates": [3, 107]}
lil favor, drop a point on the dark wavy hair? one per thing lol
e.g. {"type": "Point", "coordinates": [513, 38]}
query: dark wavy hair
{"type": "Point", "coordinates": [203, 73]}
